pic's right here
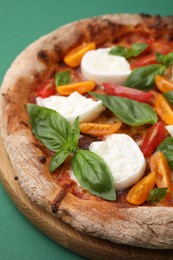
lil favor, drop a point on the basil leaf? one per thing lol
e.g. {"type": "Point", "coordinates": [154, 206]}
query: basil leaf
{"type": "Point", "coordinates": [137, 48]}
{"type": "Point", "coordinates": [58, 158]}
{"type": "Point", "coordinates": [143, 77]}
{"type": "Point", "coordinates": [119, 51]}
{"type": "Point", "coordinates": [74, 134]}
{"type": "Point", "coordinates": [169, 96]}
{"type": "Point", "coordinates": [129, 111]}
{"type": "Point", "coordinates": [49, 127]}
{"type": "Point", "coordinates": [133, 51]}
{"type": "Point", "coordinates": [93, 174]}
{"type": "Point", "coordinates": [167, 148]}
{"type": "Point", "coordinates": [157, 195]}
{"type": "Point", "coordinates": [62, 78]}
{"type": "Point", "coordinates": [167, 59]}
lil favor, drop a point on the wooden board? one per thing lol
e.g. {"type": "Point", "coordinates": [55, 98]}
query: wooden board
{"type": "Point", "coordinates": [65, 235]}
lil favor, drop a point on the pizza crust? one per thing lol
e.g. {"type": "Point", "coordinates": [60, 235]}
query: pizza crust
{"type": "Point", "coordinates": [150, 227]}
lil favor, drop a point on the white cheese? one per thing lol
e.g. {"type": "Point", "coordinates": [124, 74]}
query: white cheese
{"type": "Point", "coordinates": [100, 66]}
{"type": "Point", "coordinates": [72, 106]}
{"type": "Point", "coordinates": [123, 157]}
{"type": "Point", "coordinates": [169, 128]}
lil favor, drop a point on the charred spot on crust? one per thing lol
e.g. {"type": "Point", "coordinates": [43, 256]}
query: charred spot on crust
{"type": "Point", "coordinates": [144, 15]}
{"type": "Point", "coordinates": [16, 178]}
{"type": "Point", "coordinates": [42, 159]}
{"type": "Point", "coordinates": [23, 123]}
{"type": "Point", "coordinates": [55, 203]}
{"type": "Point", "coordinates": [43, 56]}
{"type": "Point", "coordinates": [59, 52]}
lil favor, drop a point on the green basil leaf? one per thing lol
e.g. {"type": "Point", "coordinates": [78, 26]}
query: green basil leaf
{"type": "Point", "coordinates": [157, 195]}
{"type": "Point", "coordinates": [167, 59]}
{"type": "Point", "coordinates": [119, 51]}
{"type": "Point", "coordinates": [58, 158]}
{"type": "Point", "coordinates": [169, 96]}
{"type": "Point", "coordinates": [129, 111]}
{"type": "Point", "coordinates": [137, 48]}
{"type": "Point", "coordinates": [143, 77]}
{"type": "Point", "coordinates": [167, 148]}
{"type": "Point", "coordinates": [62, 78]}
{"type": "Point", "coordinates": [133, 51]}
{"type": "Point", "coordinates": [49, 127]}
{"type": "Point", "coordinates": [74, 134]}
{"type": "Point", "coordinates": [93, 174]}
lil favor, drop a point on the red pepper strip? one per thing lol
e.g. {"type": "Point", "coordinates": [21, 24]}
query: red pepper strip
{"type": "Point", "coordinates": [153, 137]}
{"type": "Point", "coordinates": [139, 95]}
{"type": "Point", "coordinates": [144, 61]}
{"type": "Point", "coordinates": [47, 89]}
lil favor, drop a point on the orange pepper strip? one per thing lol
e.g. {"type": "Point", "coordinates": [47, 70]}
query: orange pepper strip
{"type": "Point", "coordinates": [99, 129]}
{"type": "Point", "coordinates": [139, 192]}
{"type": "Point", "coordinates": [74, 57]}
{"type": "Point", "coordinates": [159, 165]}
{"type": "Point", "coordinates": [80, 87]}
{"type": "Point", "coordinates": [163, 109]}
{"type": "Point", "coordinates": [163, 84]}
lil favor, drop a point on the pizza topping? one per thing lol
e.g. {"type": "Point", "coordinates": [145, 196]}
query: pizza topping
{"type": "Point", "coordinates": [144, 61]}
{"type": "Point", "coordinates": [163, 84]}
{"type": "Point", "coordinates": [62, 78]}
{"type": "Point", "coordinates": [121, 91]}
{"type": "Point", "coordinates": [153, 137]}
{"type": "Point", "coordinates": [166, 59]}
{"type": "Point", "coordinates": [99, 129]}
{"type": "Point", "coordinates": [166, 147]}
{"type": "Point", "coordinates": [156, 195]}
{"type": "Point", "coordinates": [159, 165]}
{"type": "Point", "coordinates": [138, 194]}
{"type": "Point", "coordinates": [134, 50]}
{"type": "Point", "coordinates": [124, 158]}
{"type": "Point", "coordinates": [93, 174]}
{"type": "Point", "coordinates": [56, 133]}
{"type": "Point", "coordinates": [129, 111]}
{"type": "Point", "coordinates": [143, 77]}
{"type": "Point", "coordinates": [73, 58]}
{"type": "Point", "coordinates": [80, 87]}
{"type": "Point", "coordinates": [47, 89]}
{"type": "Point", "coordinates": [100, 66]}
{"type": "Point", "coordinates": [169, 96]}
{"type": "Point", "coordinates": [72, 106]}
{"type": "Point", "coordinates": [163, 109]}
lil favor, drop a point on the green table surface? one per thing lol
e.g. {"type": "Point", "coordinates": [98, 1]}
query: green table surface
{"type": "Point", "coordinates": [22, 22]}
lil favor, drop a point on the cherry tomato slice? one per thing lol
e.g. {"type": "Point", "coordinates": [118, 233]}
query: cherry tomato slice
{"type": "Point", "coordinates": [131, 93]}
{"type": "Point", "coordinates": [153, 137]}
{"type": "Point", "coordinates": [159, 165]}
{"type": "Point", "coordinates": [144, 61]}
{"type": "Point", "coordinates": [138, 194]}
{"type": "Point", "coordinates": [47, 89]}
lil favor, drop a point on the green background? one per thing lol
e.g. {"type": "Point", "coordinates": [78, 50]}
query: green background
{"type": "Point", "coordinates": [22, 22]}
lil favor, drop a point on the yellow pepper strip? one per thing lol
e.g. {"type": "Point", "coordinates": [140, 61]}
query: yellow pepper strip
{"type": "Point", "coordinates": [74, 57]}
{"type": "Point", "coordinates": [159, 165]}
{"type": "Point", "coordinates": [80, 87]}
{"type": "Point", "coordinates": [163, 109]}
{"type": "Point", "coordinates": [99, 129]}
{"type": "Point", "coordinates": [138, 194]}
{"type": "Point", "coordinates": [163, 84]}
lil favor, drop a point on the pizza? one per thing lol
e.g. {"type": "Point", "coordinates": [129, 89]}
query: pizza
{"type": "Point", "coordinates": [87, 122]}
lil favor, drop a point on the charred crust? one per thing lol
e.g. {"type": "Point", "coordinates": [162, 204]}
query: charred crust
{"type": "Point", "coordinates": [16, 178]}
{"type": "Point", "coordinates": [23, 123]}
{"type": "Point", "coordinates": [3, 94]}
{"type": "Point", "coordinates": [43, 56]}
{"type": "Point", "coordinates": [144, 15]}
{"type": "Point", "coordinates": [58, 51]}
{"type": "Point", "coordinates": [42, 159]}
{"type": "Point", "coordinates": [55, 203]}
